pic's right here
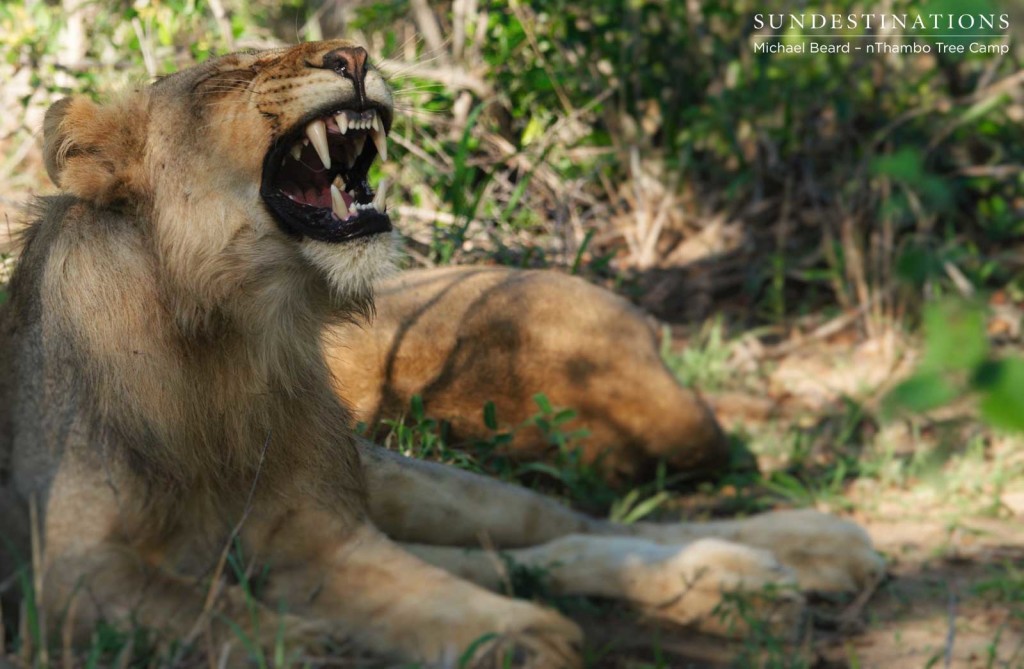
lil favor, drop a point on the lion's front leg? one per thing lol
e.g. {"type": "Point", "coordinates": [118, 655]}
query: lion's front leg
{"type": "Point", "coordinates": [92, 573]}
{"type": "Point", "coordinates": [694, 584]}
{"type": "Point", "coordinates": [386, 600]}
{"type": "Point", "coordinates": [432, 504]}
{"type": "Point", "coordinates": [429, 503]}
{"type": "Point", "coordinates": [827, 553]}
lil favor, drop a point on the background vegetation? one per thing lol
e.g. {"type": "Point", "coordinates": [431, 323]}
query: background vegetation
{"type": "Point", "coordinates": [801, 223]}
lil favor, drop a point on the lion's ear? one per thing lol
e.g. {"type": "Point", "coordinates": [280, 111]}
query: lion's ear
{"type": "Point", "coordinates": [96, 151]}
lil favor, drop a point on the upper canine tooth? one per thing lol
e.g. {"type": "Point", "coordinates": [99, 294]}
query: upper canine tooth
{"type": "Point", "coordinates": [342, 120]}
{"type": "Point", "coordinates": [317, 133]}
{"type": "Point", "coordinates": [380, 200]}
{"type": "Point", "coordinates": [338, 205]}
{"type": "Point", "coordinates": [380, 140]}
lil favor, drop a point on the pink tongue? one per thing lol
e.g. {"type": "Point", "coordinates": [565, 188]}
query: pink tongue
{"type": "Point", "coordinates": [317, 198]}
{"type": "Point", "coordinates": [313, 196]}
{"type": "Point", "coordinates": [310, 196]}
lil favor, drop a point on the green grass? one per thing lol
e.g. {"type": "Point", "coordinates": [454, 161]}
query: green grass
{"type": "Point", "coordinates": [704, 362]}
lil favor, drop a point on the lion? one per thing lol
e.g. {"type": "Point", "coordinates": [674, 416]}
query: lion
{"type": "Point", "coordinates": [165, 397]}
{"type": "Point", "coordinates": [458, 337]}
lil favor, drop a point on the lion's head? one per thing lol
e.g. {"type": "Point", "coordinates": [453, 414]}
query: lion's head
{"type": "Point", "coordinates": [250, 172]}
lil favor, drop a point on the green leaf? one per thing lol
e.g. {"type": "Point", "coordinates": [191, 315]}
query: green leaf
{"type": "Point", "coordinates": [916, 265]}
{"type": "Point", "coordinates": [924, 391]}
{"type": "Point", "coordinates": [564, 415]}
{"type": "Point", "coordinates": [954, 337]}
{"type": "Point", "coordinates": [1002, 399]}
{"type": "Point", "coordinates": [416, 407]}
{"type": "Point", "coordinates": [904, 165]}
{"type": "Point", "coordinates": [490, 416]}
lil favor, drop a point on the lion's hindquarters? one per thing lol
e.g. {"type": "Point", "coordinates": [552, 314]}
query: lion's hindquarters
{"type": "Point", "coordinates": [462, 337]}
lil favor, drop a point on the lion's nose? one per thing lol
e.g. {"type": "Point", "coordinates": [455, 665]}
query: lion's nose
{"type": "Point", "coordinates": [349, 62]}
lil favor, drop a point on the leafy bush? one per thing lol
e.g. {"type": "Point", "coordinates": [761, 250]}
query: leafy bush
{"type": "Point", "coordinates": [957, 360]}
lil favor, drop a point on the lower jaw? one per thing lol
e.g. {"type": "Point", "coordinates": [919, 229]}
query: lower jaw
{"type": "Point", "coordinates": [352, 269]}
{"type": "Point", "coordinates": [334, 231]}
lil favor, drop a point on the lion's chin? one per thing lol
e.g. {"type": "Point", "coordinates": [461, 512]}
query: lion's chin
{"type": "Point", "coordinates": [354, 268]}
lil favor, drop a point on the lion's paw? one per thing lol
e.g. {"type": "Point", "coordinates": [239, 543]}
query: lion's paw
{"type": "Point", "coordinates": [525, 636]}
{"type": "Point", "coordinates": [828, 553]}
{"type": "Point", "coordinates": [528, 649]}
{"type": "Point", "coordinates": [718, 586]}
{"type": "Point", "coordinates": [243, 645]}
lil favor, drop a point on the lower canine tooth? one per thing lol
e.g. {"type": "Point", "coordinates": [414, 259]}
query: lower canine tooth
{"type": "Point", "coordinates": [338, 205]}
{"type": "Point", "coordinates": [380, 200]}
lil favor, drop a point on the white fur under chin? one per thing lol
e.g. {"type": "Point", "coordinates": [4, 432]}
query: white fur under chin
{"type": "Point", "coordinates": [352, 268]}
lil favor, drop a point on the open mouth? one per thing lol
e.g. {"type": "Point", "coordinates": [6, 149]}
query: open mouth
{"type": "Point", "coordinates": [315, 177]}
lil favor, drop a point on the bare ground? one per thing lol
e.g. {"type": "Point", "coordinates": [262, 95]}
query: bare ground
{"type": "Point", "coordinates": [952, 531]}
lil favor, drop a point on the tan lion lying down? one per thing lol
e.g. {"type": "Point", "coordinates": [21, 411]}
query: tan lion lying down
{"type": "Point", "coordinates": [163, 392]}
{"type": "Point", "coordinates": [461, 336]}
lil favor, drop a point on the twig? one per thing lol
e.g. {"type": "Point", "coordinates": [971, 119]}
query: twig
{"type": "Point", "coordinates": [225, 655]}
{"type": "Point", "coordinates": [992, 171]}
{"type": "Point", "coordinates": [532, 39]}
{"type": "Point", "coordinates": [431, 216]}
{"type": "Point", "coordinates": [451, 76]}
{"type": "Point", "coordinates": [415, 150]}
{"type": "Point", "coordinates": [834, 326]}
{"type": "Point", "coordinates": [424, 17]}
{"type": "Point", "coordinates": [146, 46]}
{"type": "Point", "coordinates": [223, 24]}
{"type": "Point", "coordinates": [500, 568]}
{"type": "Point", "coordinates": [951, 629]}
{"type": "Point", "coordinates": [459, 13]}
{"type": "Point", "coordinates": [848, 618]}
{"type": "Point", "coordinates": [37, 576]}
{"type": "Point", "coordinates": [962, 283]}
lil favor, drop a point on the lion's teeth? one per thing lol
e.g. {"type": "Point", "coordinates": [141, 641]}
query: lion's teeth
{"type": "Point", "coordinates": [338, 205]}
{"type": "Point", "coordinates": [380, 200]}
{"type": "Point", "coordinates": [317, 133]}
{"type": "Point", "coordinates": [342, 120]}
{"type": "Point", "coordinates": [296, 151]}
{"type": "Point", "coordinates": [380, 140]}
